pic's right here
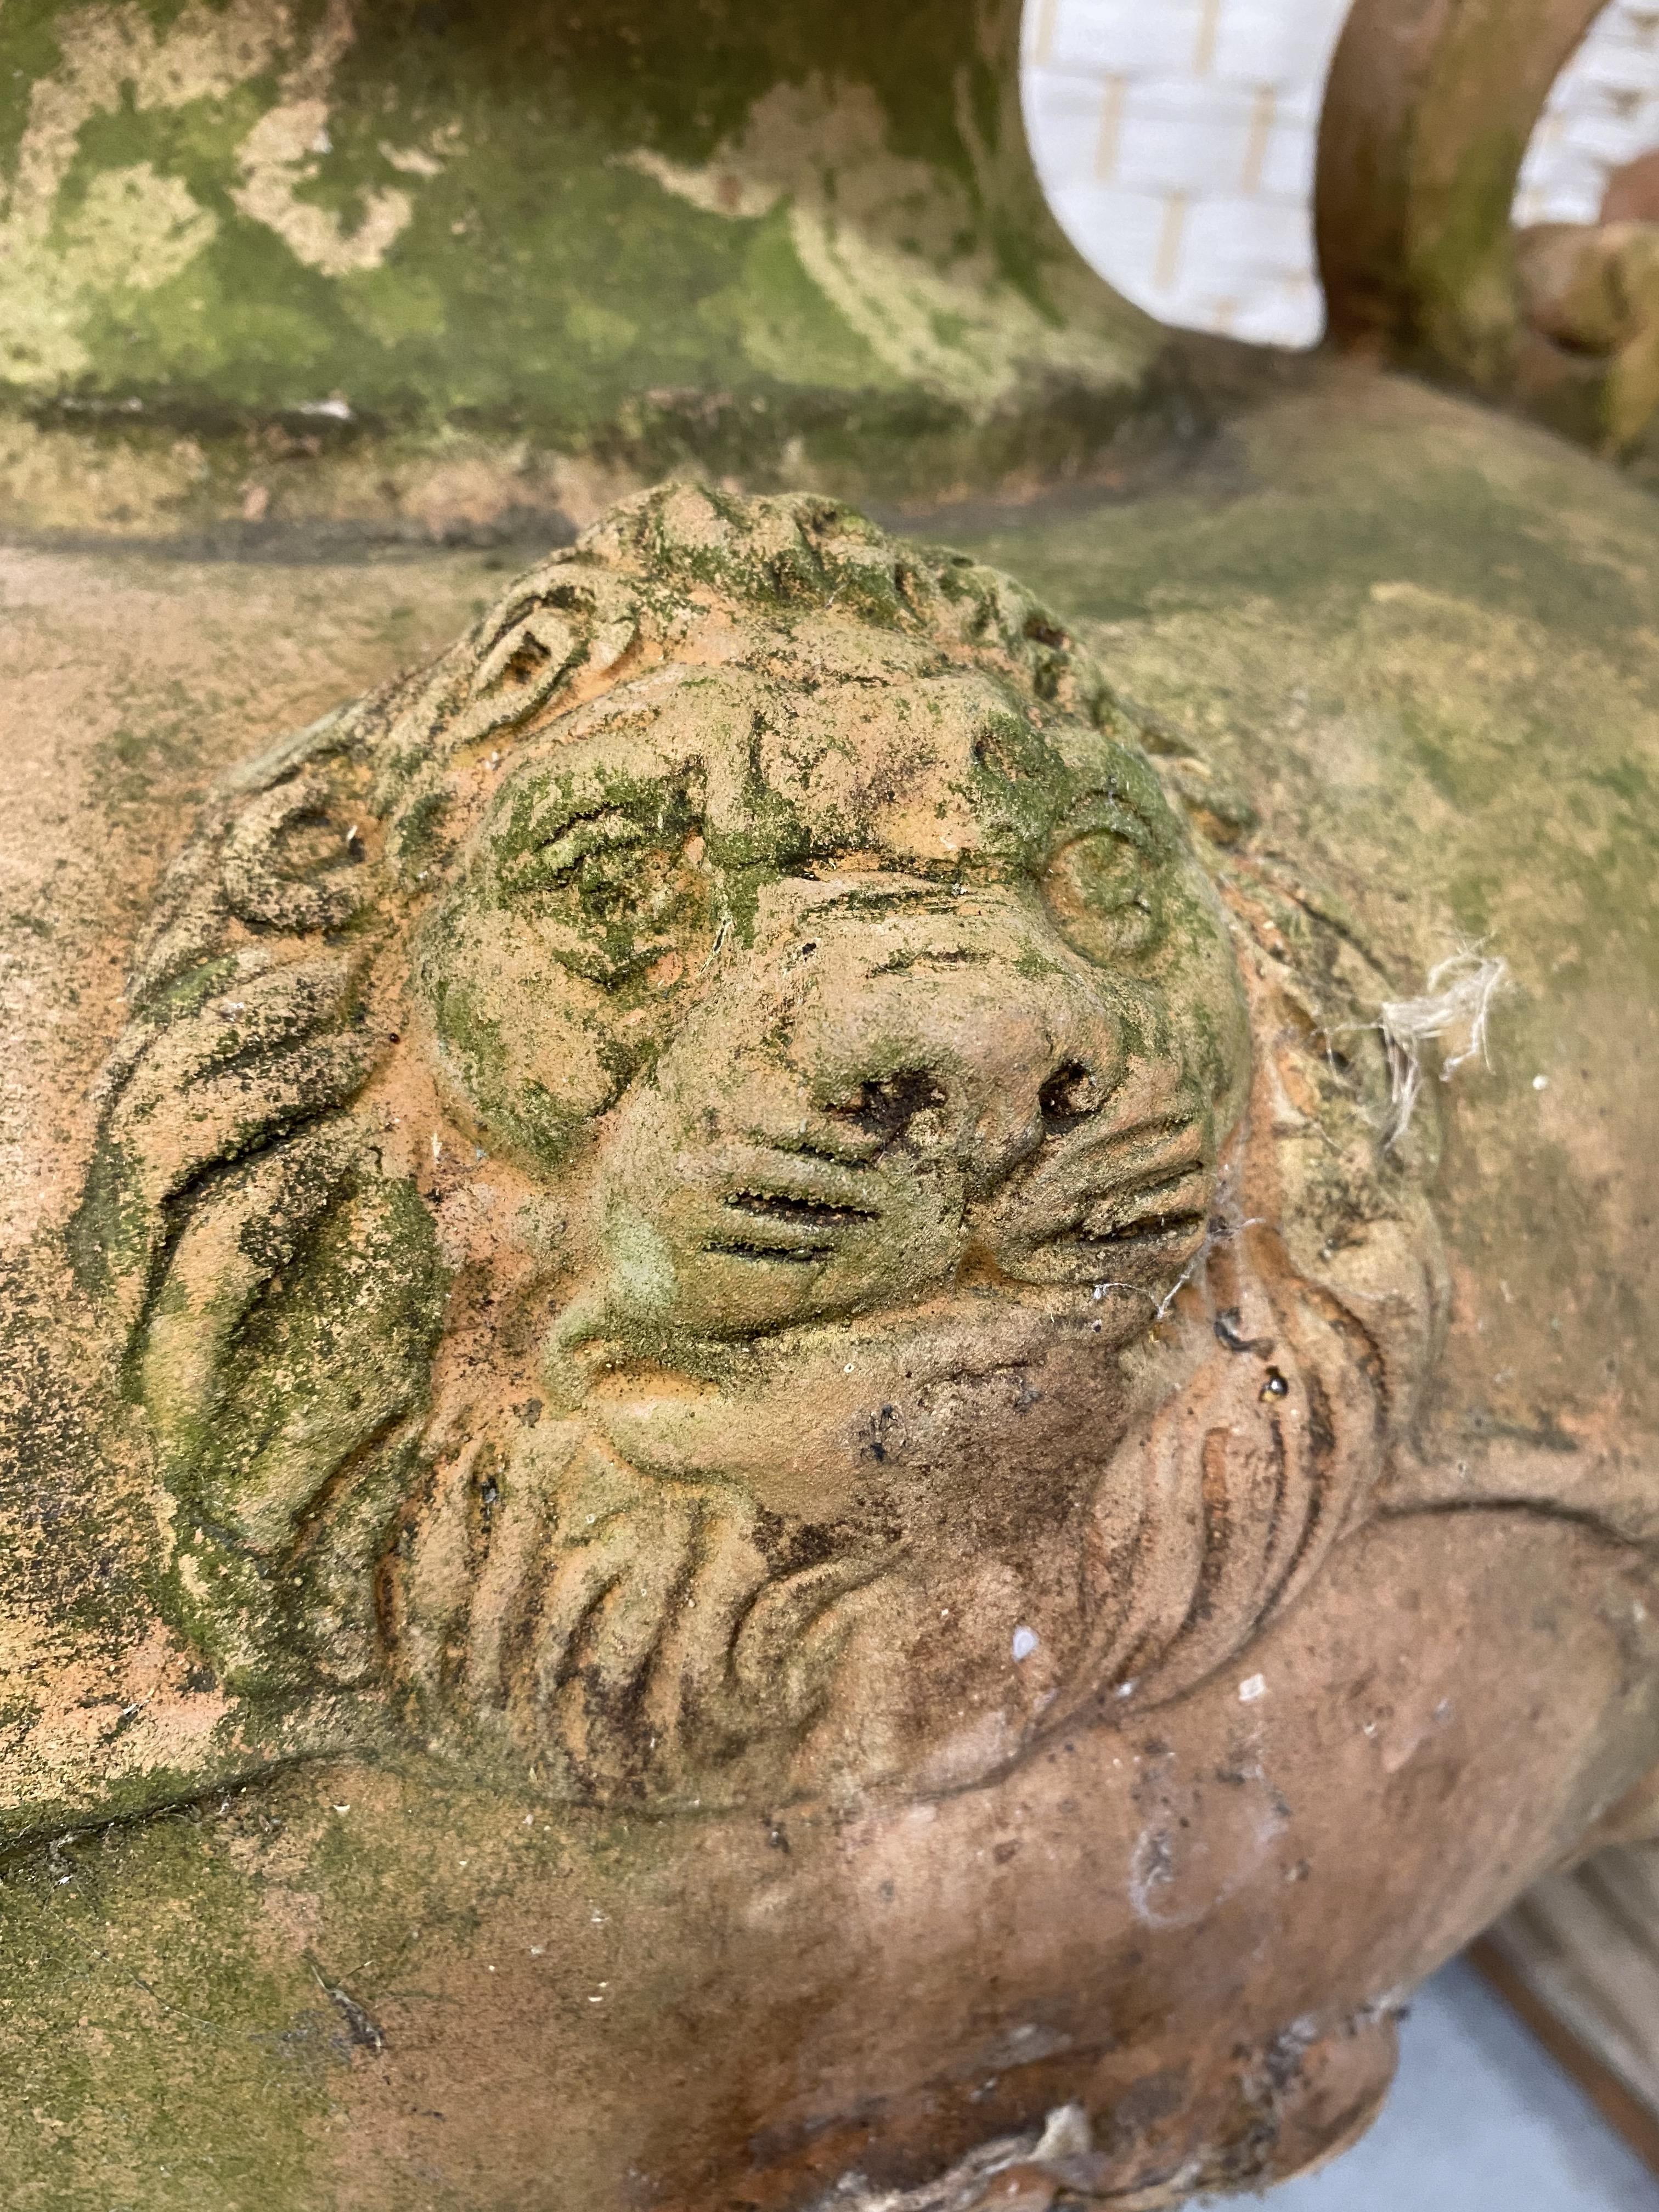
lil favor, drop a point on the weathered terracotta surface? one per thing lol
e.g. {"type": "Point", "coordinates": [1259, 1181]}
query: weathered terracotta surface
{"type": "Point", "coordinates": [746, 1447]}
{"type": "Point", "coordinates": [388, 271]}
{"type": "Point", "coordinates": [1593, 289]}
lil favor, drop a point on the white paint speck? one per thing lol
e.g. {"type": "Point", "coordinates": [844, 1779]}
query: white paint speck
{"type": "Point", "coordinates": [1025, 1642]}
{"type": "Point", "coordinates": [1252, 1687]}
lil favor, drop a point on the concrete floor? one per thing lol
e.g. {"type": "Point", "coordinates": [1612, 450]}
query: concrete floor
{"type": "Point", "coordinates": [1479, 2120]}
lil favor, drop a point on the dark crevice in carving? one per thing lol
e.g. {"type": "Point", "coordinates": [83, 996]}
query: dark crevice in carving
{"type": "Point", "coordinates": [1540, 1509]}
{"type": "Point", "coordinates": [1227, 1332]}
{"type": "Point", "coordinates": [1157, 1228]}
{"type": "Point", "coordinates": [1070, 1096]}
{"type": "Point", "coordinates": [1322, 1482]}
{"type": "Point", "coordinates": [884, 1107]}
{"type": "Point", "coordinates": [811, 1212]}
{"type": "Point", "coordinates": [791, 1256]}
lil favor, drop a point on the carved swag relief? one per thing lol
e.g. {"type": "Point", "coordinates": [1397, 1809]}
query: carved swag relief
{"type": "Point", "coordinates": [720, 1195]}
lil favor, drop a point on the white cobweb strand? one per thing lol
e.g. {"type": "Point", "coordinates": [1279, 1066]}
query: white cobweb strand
{"type": "Point", "coordinates": [1455, 1004]}
{"type": "Point", "coordinates": [1064, 2146]}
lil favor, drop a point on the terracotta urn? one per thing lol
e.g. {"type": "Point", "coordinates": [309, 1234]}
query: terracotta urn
{"type": "Point", "coordinates": [829, 1368]}
{"type": "Point", "coordinates": [775, 1371]}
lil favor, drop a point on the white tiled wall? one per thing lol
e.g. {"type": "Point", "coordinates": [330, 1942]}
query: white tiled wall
{"type": "Point", "coordinates": [1175, 141]}
{"type": "Point", "coordinates": [1603, 112]}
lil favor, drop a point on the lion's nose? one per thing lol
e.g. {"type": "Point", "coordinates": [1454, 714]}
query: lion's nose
{"type": "Point", "coordinates": [988, 1096]}
{"type": "Point", "coordinates": [954, 1033]}
{"type": "Point", "coordinates": [1019, 1109]}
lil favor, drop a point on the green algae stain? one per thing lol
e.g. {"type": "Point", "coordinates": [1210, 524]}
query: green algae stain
{"type": "Point", "coordinates": [222, 210]}
{"type": "Point", "coordinates": [775, 317]}
{"type": "Point", "coordinates": [154, 2055]}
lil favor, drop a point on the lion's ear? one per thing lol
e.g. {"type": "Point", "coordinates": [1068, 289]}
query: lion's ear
{"type": "Point", "coordinates": [292, 1327]}
{"type": "Point", "coordinates": [242, 1048]}
{"type": "Point", "coordinates": [560, 621]}
{"type": "Point", "coordinates": [287, 1344]}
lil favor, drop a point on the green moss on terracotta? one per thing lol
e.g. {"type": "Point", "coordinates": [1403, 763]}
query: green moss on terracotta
{"type": "Point", "coordinates": [1412, 635]}
{"type": "Point", "coordinates": [313, 262]}
{"type": "Point", "coordinates": [157, 2050]}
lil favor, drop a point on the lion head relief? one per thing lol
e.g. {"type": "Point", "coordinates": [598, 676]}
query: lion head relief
{"type": "Point", "coordinates": [720, 1192]}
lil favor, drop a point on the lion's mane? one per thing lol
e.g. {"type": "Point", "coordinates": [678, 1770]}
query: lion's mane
{"type": "Point", "coordinates": [273, 1247]}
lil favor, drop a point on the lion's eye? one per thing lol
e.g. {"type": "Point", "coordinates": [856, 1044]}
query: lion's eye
{"type": "Point", "coordinates": [1101, 889]}
{"type": "Point", "coordinates": [597, 856]}
{"type": "Point", "coordinates": [612, 893]}
{"type": "Point", "coordinates": [1106, 872]}
{"type": "Point", "coordinates": [587, 847]}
